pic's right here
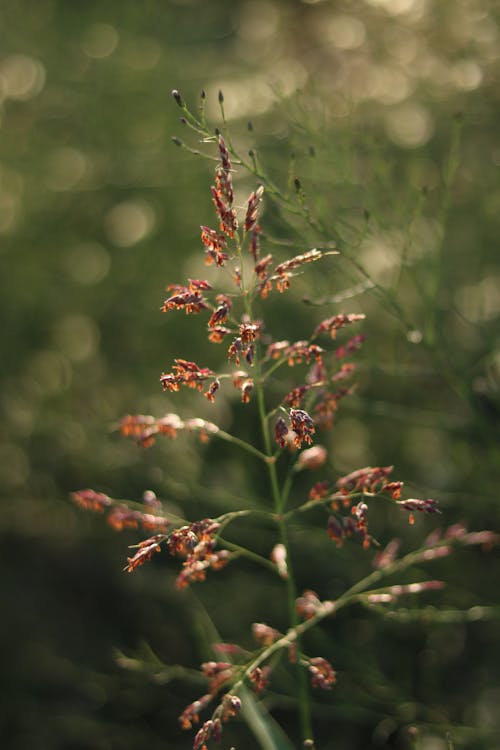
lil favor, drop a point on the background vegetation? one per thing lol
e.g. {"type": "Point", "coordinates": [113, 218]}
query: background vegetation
{"type": "Point", "coordinates": [387, 111]}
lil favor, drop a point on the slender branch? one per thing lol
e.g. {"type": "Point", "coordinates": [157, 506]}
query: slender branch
{"type": "Point", "coordinates": [242, 444]}
{"type": "Point", "coordinates": [244, 552]}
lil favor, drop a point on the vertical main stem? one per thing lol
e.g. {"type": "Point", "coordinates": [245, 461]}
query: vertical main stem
{"type": "Point", "coordinates": [279, 500]}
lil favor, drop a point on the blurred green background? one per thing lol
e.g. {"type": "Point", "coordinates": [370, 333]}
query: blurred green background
{"type": "Point", "coordinates": [387, 111]}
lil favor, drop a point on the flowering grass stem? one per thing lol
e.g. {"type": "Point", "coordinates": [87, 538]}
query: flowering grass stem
{"type": "Point", "coordinates": [301, 412]}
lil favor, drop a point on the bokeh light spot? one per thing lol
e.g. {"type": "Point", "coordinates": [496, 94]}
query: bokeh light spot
{"type": "Point", "coordinates": [129, 222]}
{"type": "Point", "coordinates": [66, 167]}
{"type": "Point", "coordinates": [466, 75]}
{"type": "Point", "coordinates": [48, 372]}
{"type": "Point", "coordinates": [14, 465]}
{"type": "Point", "coordinates": [344, 32]}
{"type": "Point", "coordinates": [410, 125]}
{"type": "Point", "coordinates": [21, 77]}
{"type": "Point", "coordinates": [100, 40]}
{"type": "Point", "coordinates": [77, 336]}
{"type": "Point", "coordinates": [87, 263]}
{"type": "Point", "coordinates": [142, 53]}
{"type": "Point", "coordinates": [258, 20]}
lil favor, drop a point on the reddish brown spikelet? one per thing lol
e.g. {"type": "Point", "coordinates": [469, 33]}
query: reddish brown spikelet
{"type": "Point", "coordinates": [223, 177]}
{"type": "Point", "coordinates": [277, 349]}
{"type": "Point", "coordinates": [146, 550]}
{"type": "Point", "coordinates": [214, 387]}
{"type": "Point", "coordinates": [253, 209]}
{"type": "Point", "coordinates": [221, 312]}
{"type": "Point", "coordinates": [249, 332]}
{"type": "Point", "coordinates": [367, 479]}
{"type": "Point", "coordinates": [121, 517]}
{"type": "Point", "coordinates": [150, 499]}
{"type": "Point", "coordinates": [332, 325]}
{"type": "Point", "coordinates": [144, 427]}
{"type": "Point", "coordinates": [254, 245]}
{"type": "Point", "coordinates": [317, 373]}
{"type": "Point", "coordinates": [323, 674]}
{"type": "Point", "coordinates": [150, 522]}
{"type": "Point", "coordinates": [307, 605]}
{"type": "Point", "coordinates": [351, 346]}
{"type": "Point", "coordinates": [264, 288]}
{"type": "Point", "coordinates": [246, 390]}
{"type": "Point", "coordinates": [190, 715]}
{"type": "Point", "coordinates": [259, 678]}
{"type": "Point", "coordinates": [360, 512]}
{"type": "Point", "coordinates": [235, 350]}
{"type": "Point", "coordinates": [224, 154]}
{"type": "Point", "coordinates": [217, 334]}
{"type": "Point", "coordinates": [319, 491]}
{"type": "Point", "coordinates": [283, 271]}
{"type": "Point", "coordinates": [134, 425]}
{"type": "Point", "coordinates": [327, 406]}
{"type": "Point", "coordinates": [387, 556]}
{"type": "Point", "coordinates": [281, 432]}
{"type": "Point", "coordinates": [230, 707]}
{"type": "Point", "coordinates": [301, 351]}
{"type": "Point", "coordinates": [217, 672]}
{"type": "Point", "coordinates": [423, 506]}
{"type": "Point", "coordinates": [264, 634]}
{"type": "Point", "coordinates": [214, 243]}
{"type": "Point", "coordinates": [91, 500]}
{"type": "Point", "coordinates": [169, 425]}
{"type": "Point", "coordinates": [394, 488]}
{"type": "Point", "coordinates": [261, 268]}
{"type": "Point", "coordinates": [295, 396]}
{"type": "Point", "coordinates": [336, 531]}
{"type": "Point", "coordinates": [188, 298]}
{"type": "Point", "coordinates": [227, 648]}
{"type": "Point", "coordinates": [185, 373]}
{"type": "Point", "coordinates": [303, 427]}
{"type": "Point", "coordinates": [242, 345]}
{"type": "Point", "coordinates": [203, 735]}
{"type": "Point", "coordinates": [345, 371]}
{"type": "Point", "coordinates": [224, 186]}
{"type": "Point", "coordinates": [195, 568]}
{"type": "Point", "coordinates": [227, 217]}
{"type": "Point", "coordinates": [182, 541]}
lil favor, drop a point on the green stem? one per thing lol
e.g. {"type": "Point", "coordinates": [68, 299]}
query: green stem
{"type": "Point", "coordinates": [244, 552]}
{"type": "Point", "coordinates": [279, 500]}
{"type": "Point", "coordinates": [450, 170]}
{"type": "Point", "coordinates": [242, 444]}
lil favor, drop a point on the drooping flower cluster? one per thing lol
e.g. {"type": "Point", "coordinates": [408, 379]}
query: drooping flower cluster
{"type": "Point", "coordinates": [281, 274]}
{"type": "Point", "coordinates": [367, 482]}
{"type": "Point", "coordinates": [145, 428]}
{"type": "Point", "coordinates": [185, 373]}
{"type": "Point", "coordinates": [120, 516]}
{"type": "Point", "coordinates": [145, 552]}
{"type": "Point", "coordinates": [215, 243]}
{"type": "Point", "coordinates": [333, 324]}
{"type": "Point", "coordinates": [218, 674]}
{"type": "Point", "coordinates": [243, 345]}
{"type": "Point", "coordinates": [323, 674]}
{"type": "Point", "coordinates": [196, 543]}
{"type": "Point", "coordinates": [188, 298]}
{"type": "Point", "coordinates": [222, 192]}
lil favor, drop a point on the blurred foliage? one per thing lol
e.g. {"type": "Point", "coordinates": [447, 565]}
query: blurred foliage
{"type": "Point", "coordinates": [387, 111]}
